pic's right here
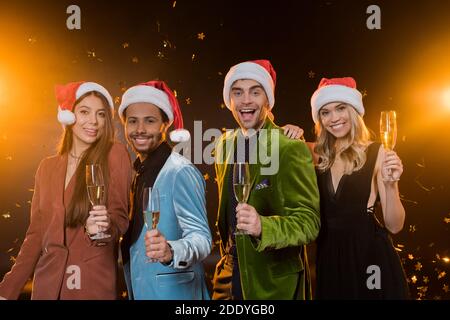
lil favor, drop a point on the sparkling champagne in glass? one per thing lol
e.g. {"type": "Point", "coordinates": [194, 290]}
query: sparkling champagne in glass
{"type": "Point", "coordinates": [388, 131]}
{"type": "Point", "coordinates": [151, 210]}
{"type": "Point", "coordinates": [96, 192]}
{"type": "Point", "coordinates": [241, 185]}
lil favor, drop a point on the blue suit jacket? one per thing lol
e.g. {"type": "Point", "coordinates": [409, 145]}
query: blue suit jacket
{"type": "Point", "coordinates": [183, 222]}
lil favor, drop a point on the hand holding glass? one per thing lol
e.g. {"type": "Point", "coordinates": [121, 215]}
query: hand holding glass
{"type": "Point", "coordinates": [96, 192]}
{"type": "Point", "coordinates": [388, 132]}
{"type": "Point", "coordinates": [150, 208]}
{"type": "Point", "coordinates": [241, 185]}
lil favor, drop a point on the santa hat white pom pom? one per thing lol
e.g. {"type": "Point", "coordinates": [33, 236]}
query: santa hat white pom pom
{"type": "Point", "coordinates": [66, 117]}
{"type": "Point", "coordinates": [180, 135]}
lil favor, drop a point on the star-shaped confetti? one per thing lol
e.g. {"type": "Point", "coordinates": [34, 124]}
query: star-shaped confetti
{"type": "Point", "coordinates": [125, 45]}
{"type": "Point", "coordinates": [201, 36]}
{"type": "Point", "coordinates": [414, 279]}
{"type": "Point", "coordinates": [222, 106]}
{"type": "Point", "coordinates": [445, 288]}
{"type": "Point", "coordinates": [160, 55]}
{"type": "Point", "coordinates": [135, 60]}
{"type": "Point", "coordinates": [9, 158]}
{"type": "Point", "coordinates": [188, 101]}
{"type": "Point", "coordinates": [364, 93]}
{"type": "Point", "coordinates": [311, 74]}
{"type": "Point", "coordinates": [412, 228]}
{"type": "Point", "coordinates": [410, 256]}
{"type": "Point", "coordinates": [124, 294]}
{"type": "Point", "coordinates": [425, 279]}
{"type": "Point", "coordinates": [446, 259]}
{"type": "Point", "coordinates": [447, 220]}
{"type": "Point", "coordinates": [6, 215]}
{"type": "Point", "coordinates": [418, 266]}
{"type": "Point", "coordinates": [441, 274]}
{"type": "Point", "coordinates": [206, 177]}
{"type": "Point", "coordinates": [116, 100]}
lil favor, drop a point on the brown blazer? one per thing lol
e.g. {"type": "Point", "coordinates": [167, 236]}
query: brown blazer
{"type": "Point", "coordinates": [57, 262]}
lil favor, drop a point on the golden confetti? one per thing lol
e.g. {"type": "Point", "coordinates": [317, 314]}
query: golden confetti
{"type": "Point", "coordinates": [410, 256]}
{"type": "Point", "coordinates": [9, 158]}
{"type": "Point", "coordinates": [206, 176]}
{"type": "Point", "coordinates": [6, 215]}
{"type": "Point", "coordinates": [175, 93]}
{"type": "Point", "coordinates": [222, 106]}
{"type": "Point", "coordinates": [445, 288]}
{"type": "Point", "coordinates": [224, 129]}
{"type": "Point", "coordinates": [125, 45]}
{"type": "Point", "coordinates": [414, 279]}
{"type": "Point", "coordinates": [91, 54]}
{"type": "Point", "coordinates": [418, 266]}
{"type": "Point", "coordinates": [10, 250]}
{"type": "Point", "coordinates": [135, 60]}
{"type": "Point", "coordinates": [423, 289]}
{"type": "Point", "coordinates": [447, 220]}
{"type": "Point", "coordinates": [116, 100]}
{"type": "Point", "coordinates": [124, 294]}
{"type": "Point", "coordinates": [220, 73]}
{"type": "Point", "coordinates": [166, 43]}
{"type": "Point", "coordinates": [403, 138]}
{"type": "Point", "coordinates": [18, 205]}
{"type": "Point", "coordinates": [174, 4]}
{"type": "Point", "coordinates": [32, 40]}
{"type": "Point", "coordinates": [412, 228]}
{"type": "Point", "coordinates": [12, 259]}
{"type": "Point", "coordinates": [188, 101]}
{"type": "Point", "coordinates": [193, 56]}
{"type": "Point", "coordinates": [400, 245]}
{"type": "Point", "coordinates": [441, 274]}
{"type": "Point", "coordinates": [425, 279]}
{"type": "Point", "coordinates": [364, 93]}
{"type": "Point", "coordinates": [311, 74]}
{"type": "Point", "coordinates": [446, 259]}
{"type": "Point", "coordinates": [160, 55]}
{"type": "Point", "coordinates": [201, 36]}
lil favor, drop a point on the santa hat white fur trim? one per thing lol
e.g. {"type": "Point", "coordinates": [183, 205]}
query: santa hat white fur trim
{"type": "Point", "coordinates": [67, 117]}
{"type": "Point", "coordinates": [180, 135]}
{"type": "Point", "coordinates": [335, 93]}
{"type": "Point", "coordinates": [92, 86]}
{"type": "Point", "coordinates": [149, 94]}
{"type": "Point", "coordinates": [252, 71]}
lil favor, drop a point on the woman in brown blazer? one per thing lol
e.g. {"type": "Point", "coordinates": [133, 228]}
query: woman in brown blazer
{"type": "Point", "coordinates": [58, 249]}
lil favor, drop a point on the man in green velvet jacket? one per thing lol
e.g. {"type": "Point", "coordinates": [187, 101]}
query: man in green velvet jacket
{"type": "Point", "coordinates": [282, 212]}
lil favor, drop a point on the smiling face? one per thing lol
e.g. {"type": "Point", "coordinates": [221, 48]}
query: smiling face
{"type": "Point", "coordinates": [335, 118]}
{"type": "Point", "coordinates": [249, 103]}
{"type": "Point", "coordinates": [90, 114]}
{"type": "Point", "coordinates": [145, 127]}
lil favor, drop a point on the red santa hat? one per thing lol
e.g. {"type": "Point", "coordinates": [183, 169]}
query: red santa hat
{"type": "Point", "coordinates": [160, 95]}
{"type": "Point", "coordinates": [258, 70]}
{"type": "Point", "coordinates": [67, 94]}
{"type": "Point", "coordinates": [336, 90]}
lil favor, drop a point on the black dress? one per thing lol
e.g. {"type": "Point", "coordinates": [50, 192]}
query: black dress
{"type": "Point", "coordinates": [352, 244]}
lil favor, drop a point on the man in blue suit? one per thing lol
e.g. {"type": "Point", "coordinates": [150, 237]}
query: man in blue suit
{"type": "Point", "coordinates": [182, 238]}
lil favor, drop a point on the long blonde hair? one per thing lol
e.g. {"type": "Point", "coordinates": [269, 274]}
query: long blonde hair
{"type": "Point", "coordinates": [78, 209]}
{"type": "Point", "coordinates": [355, 143]}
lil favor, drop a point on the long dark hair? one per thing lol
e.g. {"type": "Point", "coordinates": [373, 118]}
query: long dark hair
{"type": "Point", "coordinates": [79, 205]}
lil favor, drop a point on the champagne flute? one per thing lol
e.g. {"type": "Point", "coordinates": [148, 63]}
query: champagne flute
{"type": "Point", "coordinates": [241, 185]}
{"type": "Point", "coordinates": [96, 192]}
{"type": "Point", "coordinates": [151, 210]}
{"type": "Point", "coordinates": [388, 132]}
